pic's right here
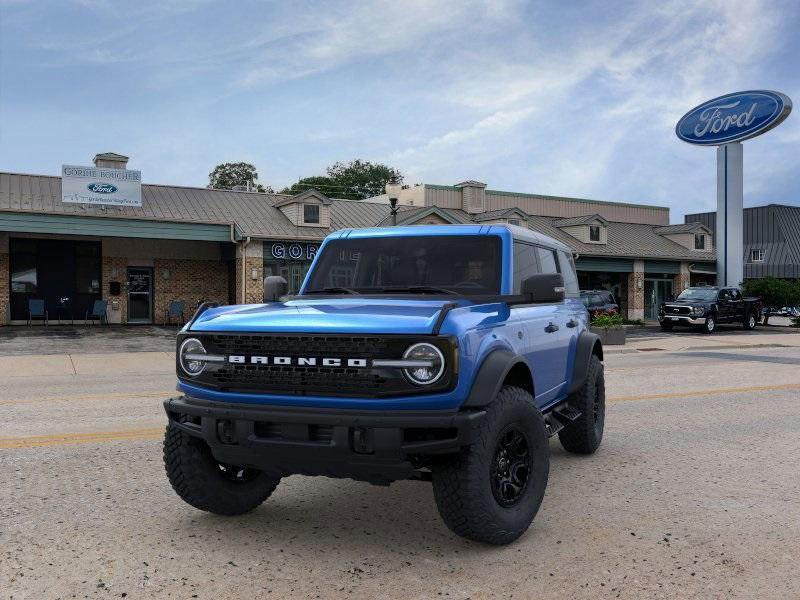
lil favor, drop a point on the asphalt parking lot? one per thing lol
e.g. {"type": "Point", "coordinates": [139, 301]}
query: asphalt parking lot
{"type": "Point", "coordinates": [694, 493]}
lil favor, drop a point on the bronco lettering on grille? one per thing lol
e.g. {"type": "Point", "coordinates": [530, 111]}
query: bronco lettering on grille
{"type": "Point", "coordinates": [298, 361]}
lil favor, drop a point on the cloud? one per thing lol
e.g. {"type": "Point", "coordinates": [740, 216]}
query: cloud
{"type": "Point", "coordinates": [597, 103]}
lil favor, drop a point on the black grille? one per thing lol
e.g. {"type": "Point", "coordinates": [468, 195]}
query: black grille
{"type": "Point", "coordinates": [677, 310]}
{"type": "Point", "coordinates": [312, 380]}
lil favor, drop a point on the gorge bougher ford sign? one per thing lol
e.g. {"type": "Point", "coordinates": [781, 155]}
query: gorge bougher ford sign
{"type": "Point", "coordinates": [93, 185]}
{"type": "Point", "coordinates": [733, 117]}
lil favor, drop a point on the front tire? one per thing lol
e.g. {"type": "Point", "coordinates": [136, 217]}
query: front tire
{"type": "Point", "coordinates": [666, 326]}
{"type": "Point", "coordinates": [710, 326]}
{"type": "Point", "coordinates": [584, 434]}
{"type": "Point", "coordinates": [750, 321]}
{"type": "Point", "coordinates": [201, 481]}
{"type": "Point", "coordinates": [491, 491]}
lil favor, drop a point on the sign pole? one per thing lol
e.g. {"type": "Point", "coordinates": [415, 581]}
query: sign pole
{"type": "Point", "coordinates": [730, 204]}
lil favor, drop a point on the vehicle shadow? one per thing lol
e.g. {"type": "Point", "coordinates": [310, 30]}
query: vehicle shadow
{"type": "Point", "coordinates": [356, 519]}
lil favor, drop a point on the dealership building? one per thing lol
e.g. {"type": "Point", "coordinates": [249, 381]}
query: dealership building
{"type": "Point", "coordinates": [771, 239]}
{"type": "Point", "coordinates": [190, 244]}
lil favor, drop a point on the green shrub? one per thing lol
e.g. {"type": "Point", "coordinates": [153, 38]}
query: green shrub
{"type": "Point", "coordinates": [607, 320]}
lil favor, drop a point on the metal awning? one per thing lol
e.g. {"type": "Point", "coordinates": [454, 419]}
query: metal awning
{"type": "Point", "coordinates": [703, 268]}
{"type": "Point", "coordinates": [24, 222]}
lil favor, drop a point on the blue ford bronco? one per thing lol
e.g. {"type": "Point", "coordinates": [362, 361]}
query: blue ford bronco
{"type": "Point", "coordinates": [447, 354]}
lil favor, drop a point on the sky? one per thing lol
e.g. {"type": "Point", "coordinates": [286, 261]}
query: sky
{"type": "Point", "coordinates": [574, 99]}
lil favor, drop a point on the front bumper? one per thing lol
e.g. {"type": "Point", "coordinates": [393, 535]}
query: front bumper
{"type": "Point", "coordinates": [682, 319]}
{"type": "Point", "coordinates": [375, 446]}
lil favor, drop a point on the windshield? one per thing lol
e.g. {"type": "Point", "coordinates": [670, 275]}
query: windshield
{"type": "Point", "coordinates": [436, 264]}
{"type": "Point", "coordinates": [698, 294]}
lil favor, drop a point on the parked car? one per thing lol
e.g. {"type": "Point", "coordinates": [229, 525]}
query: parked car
{"type": "Point", "coordinates": [599, 301]}
{"type": "Point", "coordinates": [787, 311]}
{"type": "Point", "coordinates": [436, 353]}
{"type": "Point", "coordinates": [706, 307]}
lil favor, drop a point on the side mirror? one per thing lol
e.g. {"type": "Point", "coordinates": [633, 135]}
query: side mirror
{"type": "Point", "coordinates": [275, 286]}
{"type": "Point", "coordinates": [546, 288]}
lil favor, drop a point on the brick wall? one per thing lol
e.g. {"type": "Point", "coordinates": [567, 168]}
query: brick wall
{"type": "Point", "coordinates": [636, 291]}
{"type": "Point", "coordinates": [4, 289]}
{"type": "Point", "coordinates": [189, 280]}
{"type": "Point", "coordinates": [115, 269]}
{"type": "Point", "coordinates": [683, 280]}
{"type": "Point", "coordinates": [254, 259]}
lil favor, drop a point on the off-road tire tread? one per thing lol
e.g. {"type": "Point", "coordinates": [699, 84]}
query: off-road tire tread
{"type": "Point", "coordinates": [460, 482]}
{"type": "Point", "coordinates": [187, 458]}
{"type": "Point", "coordinates": [579, 436]}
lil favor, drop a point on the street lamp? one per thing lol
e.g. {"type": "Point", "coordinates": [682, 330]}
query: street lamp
{"type": "Point", "coordinates": [393, 188]}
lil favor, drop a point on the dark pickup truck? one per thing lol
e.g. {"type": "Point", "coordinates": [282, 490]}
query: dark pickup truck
{"type": "Point", "coordinates": [706, 307]}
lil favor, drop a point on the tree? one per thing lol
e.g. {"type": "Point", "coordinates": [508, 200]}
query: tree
{"type": "Point", "coordinates": [228, 175]}
{"type": "Point", "coordinates": [318, 182]}
{"type": "Point", "coordinates": [354, 180]}
{"type": "Point", "coordinates": [363, 179]}
{"type": "Point", "coordinates": [774, 292]}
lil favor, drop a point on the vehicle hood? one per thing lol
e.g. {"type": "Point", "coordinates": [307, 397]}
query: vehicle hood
{"type": "Point", "coordinates": [687, 303]}
{"type": "Point", "coordinates": [337, 315]}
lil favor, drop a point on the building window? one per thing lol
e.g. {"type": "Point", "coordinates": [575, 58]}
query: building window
{"type": "Point", "coordinates": [757, 255]}
{"type": "Point", "coordinates": [513, 222]}
{"type": "Point", "coordinates": [311, 214]}
{"type": "Point", "coordinates": [87, 268]}
{"type": "Point", "coordinates": [594, 233]}
{"type": "Point", "coordinates": [699, 241]}
{"type": "Point", "coordinates": [24, 274]}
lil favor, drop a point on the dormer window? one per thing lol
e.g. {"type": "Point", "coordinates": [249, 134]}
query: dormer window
{"type": "Point", "coordinates": [514, 222]}
{"type": "Point", "coordinates": [594, 233]}
{"type": "Point", "coordinates": [699, 241]}
{"type": "Point", "coordinates": [311, 214]}
{"type": "Point", "coordinates": [307, 209]}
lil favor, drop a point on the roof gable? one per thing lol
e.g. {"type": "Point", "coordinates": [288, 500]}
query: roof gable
{"type": "Point", "coordinates": [682, 228]}
{"type": "Point", "coordinates": [582, 220]}
{"type": "Point", "coordinates": [310, 194]}
{"type": "Point", "coordinates": [503, 213]}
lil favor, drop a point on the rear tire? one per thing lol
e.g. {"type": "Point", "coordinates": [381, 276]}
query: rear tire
{"type": "Point", "coordinates": [491, 490]}
{"type": "Point", "coordinates": [201, 481]}
{"type": "Point", "coordinates": [583, 435]}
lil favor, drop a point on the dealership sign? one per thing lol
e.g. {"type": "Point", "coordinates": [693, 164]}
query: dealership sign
{"type": "Point", "coordinates": [294, 251]}
{"type": "Point", "coordinates": [93, 185]}
{"type": "Point", "coordinates": [733, 117]}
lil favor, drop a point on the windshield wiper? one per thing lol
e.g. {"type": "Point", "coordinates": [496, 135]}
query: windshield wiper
{"type": "Point", "coordinates": [421, 289]}
{"type": "Point", "coordinates": [334, 290]}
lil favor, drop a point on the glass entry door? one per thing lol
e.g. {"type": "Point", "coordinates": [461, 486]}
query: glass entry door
{"type": "Point", "coordinates": [656, 291]}
{"type": "Point", "coordinates": [140, 295]}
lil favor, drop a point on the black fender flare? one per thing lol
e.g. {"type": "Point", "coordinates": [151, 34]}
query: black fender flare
{"type": "Point", "coordinates": [588, 344]}
{"type": "Point", "coordinates": [490, 377]}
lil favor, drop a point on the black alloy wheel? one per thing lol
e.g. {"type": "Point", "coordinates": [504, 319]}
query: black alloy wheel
{"type": "Point", "coordinates": [511, 466]}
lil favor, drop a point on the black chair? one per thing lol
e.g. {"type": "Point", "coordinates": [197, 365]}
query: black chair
{"type": "Point", "coordinates": [64, 309]}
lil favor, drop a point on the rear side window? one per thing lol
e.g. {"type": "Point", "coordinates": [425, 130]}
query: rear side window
{"type": "Point", "coordinates": [526, 264]}
{"type": "Point", "coordinates": [547, 260]}
{"type": "Point", "coordinates": [570, 276]}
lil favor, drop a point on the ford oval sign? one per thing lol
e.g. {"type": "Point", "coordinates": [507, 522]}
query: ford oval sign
{"type": "Point", "coordinates": [733, 117]}
{"type": "Point", "coordinates": [101, 188]}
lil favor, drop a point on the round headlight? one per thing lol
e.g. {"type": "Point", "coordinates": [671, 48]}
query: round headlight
{"type": "Point", "coordinates": [188, 355]}
{"type": "Point", "coordinates": [431, 363]}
